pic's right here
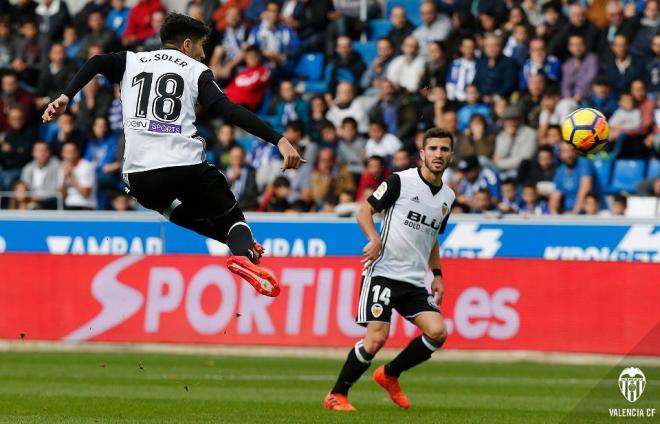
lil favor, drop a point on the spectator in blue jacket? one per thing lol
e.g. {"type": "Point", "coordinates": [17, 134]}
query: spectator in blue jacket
{"type": "Point", "coordinates": [497, 75]}
{"type": "Point", "coordinates": [102, 152]}
{"type": "Point", "coordinates": [601, 97]}
{"type": "Point", "coordinates": [279, 43]}
{"type": "Point", "coordinates": [289, 107]}
{"type": "Point", "coordinates": [539, 62]}
{"type": "Point", "coordinates": [574, 179]}
{"type": "Point", "coordinates": [117, 17]}
{"type": "Point", "coordinates": [345, 65]}
{"type": "Point", "coordinates": [472, 107]}
{"type": "Point", "coordinates": [462, 71]}
{"type": "Point", "coordinates": [474, 178]}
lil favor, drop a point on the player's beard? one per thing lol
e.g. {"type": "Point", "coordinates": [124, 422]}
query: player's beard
{"type": "Point", "coordinates": [435, 169]}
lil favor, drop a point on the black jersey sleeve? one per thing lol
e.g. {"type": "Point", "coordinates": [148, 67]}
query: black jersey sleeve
{"type": "Point", "coordinates": [110, 65]}
{"type": "Point", "coordinates": [216, 101]}
{"type": "Point", "coordinates": [386, 194]}
{"type": "Point", "coordinates": [444, 224]}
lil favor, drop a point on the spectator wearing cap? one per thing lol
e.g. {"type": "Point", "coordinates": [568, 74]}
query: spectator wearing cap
{"type": "Point", "coordinates": [138, 25]}
{"type": "Point", "coordinates": [406, 70]}
{"type": "Point", "coordinates": [381, 143]}
{"type": "Point", "coordinates": [622, 68]}
{"type": "Point", "coordinates": [539, 62]}
{"type": "Point", "coordinates": [577, 25]}
{"type": "Point", "coordinates": [435, 26]}
{"type": "Point", "coordinates": [377, 70]}
{"type": "Point", "coordinates": [530, 102]}
{"type": "Point", "coordinates": [401, 27]}
{"type": "Point", "coordinates": [496, 74]}
{"type": "Point", "coordinates": [40, 176]}
{"type": "Point", "coordinates": [396, 110]}
{"type": "Point", "coordinates": [515, 143]}
{"type": "Point", "coordinates": [462, 71]}
{"type": "Point", "coordinates": [573, 180]}
{"type": "Point", "coordinates": [346, 105]}
{"type": "Point", "coordinates": [579, 70]}
{"type": "Point", "coordinates": [473, 178]}
{"type": "Point", "coordinates": [479, 140]}
{"type": "Point", "coordinates": [601, 97]}
{"type": "Point", "coordinates": [472, 107]}
{"type": "Point", "coordinates": [345, 65]}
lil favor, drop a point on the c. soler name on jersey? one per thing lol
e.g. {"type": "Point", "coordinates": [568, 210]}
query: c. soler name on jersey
{"type": "Point", "coordinates": [417, 221]}
{"type": "Point", "coordinates": [164, 56]}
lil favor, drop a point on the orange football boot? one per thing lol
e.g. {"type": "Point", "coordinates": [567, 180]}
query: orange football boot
{"type": "Point", "coordinates": [391, 384]}
{"type": "Point", "coordinates": [263, 281]}
{"type": "Point", "coordinates": [337, 402]}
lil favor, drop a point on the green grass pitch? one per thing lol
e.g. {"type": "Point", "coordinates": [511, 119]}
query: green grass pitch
{"type": "Point", "coordinates": [161, 388]}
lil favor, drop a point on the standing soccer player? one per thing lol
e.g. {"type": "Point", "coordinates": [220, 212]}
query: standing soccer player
{"type": "Point", "coordinates": [165, 166]}
{"type": "Point", "coordinates": [416, 207]}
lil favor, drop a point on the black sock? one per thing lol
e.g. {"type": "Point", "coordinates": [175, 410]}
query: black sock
{"type": "Point", "coordinates": [357, 362]}
{"type": "Point", "coordinates": [239, 240]}
{"type": "Point", "coordinates": [418, 350]}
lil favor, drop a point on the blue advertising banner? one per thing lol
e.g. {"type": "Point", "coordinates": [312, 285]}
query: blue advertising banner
{"type": "Point", "coordinates": [299, 237]}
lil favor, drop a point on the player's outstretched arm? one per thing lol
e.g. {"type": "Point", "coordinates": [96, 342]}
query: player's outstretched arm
{"type": "Point", "coordinates": [214, 100]}
{"type": "Point", "coordinates": [111, 66]}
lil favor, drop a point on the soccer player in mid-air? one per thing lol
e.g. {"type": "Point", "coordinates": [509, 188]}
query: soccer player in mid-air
{"type": "Point", "coordinates": [416, 207]}
{"type": "Point", "coordinates": [165, 167]}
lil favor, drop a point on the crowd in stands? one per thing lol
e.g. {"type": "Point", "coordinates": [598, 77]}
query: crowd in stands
{"type": "Point", "coordinates": [355, 97]}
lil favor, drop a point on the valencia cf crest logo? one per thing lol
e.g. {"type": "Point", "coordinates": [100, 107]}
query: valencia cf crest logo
{"type": "Point", "coordinates": [376, 310]}
{"type": "Point", "coordinates": [445, 209]}
{"type": "Point", "coordinates": [632, 382]}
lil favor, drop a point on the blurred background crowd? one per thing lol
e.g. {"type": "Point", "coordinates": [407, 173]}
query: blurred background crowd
{"type": "Point", "coordinates": [354, 84]}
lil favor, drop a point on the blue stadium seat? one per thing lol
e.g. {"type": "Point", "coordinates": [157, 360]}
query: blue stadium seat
{"type": "Point", "coordinates": [310, 67]}
{"type": "Point", "coordinates": [367, 50]}
{"type": "Point", "coordinates": [603, 169]}
{"type": "Point", "coordinates": [654, 169]}
{"type": "Point", "coordinates": [378, 28]}
{"type": "Point", "coordinates": [411, 7]}
{"type": "Point", "coordinates": [627, 173]}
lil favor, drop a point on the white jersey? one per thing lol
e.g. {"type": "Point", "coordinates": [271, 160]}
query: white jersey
{"type": "Point", "coordinates": [159, 91]}
{"type": "Point", "coordinates": [415, 212]}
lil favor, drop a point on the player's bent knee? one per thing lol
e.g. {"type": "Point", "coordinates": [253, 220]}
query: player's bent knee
{"type": "Point", "coordinates": [375, 340]}
{"type": "Point", "coordinates": [438, 332]}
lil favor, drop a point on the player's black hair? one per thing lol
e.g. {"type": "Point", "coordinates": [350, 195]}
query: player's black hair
{"type": "Point", "coordinates": [438, 133]}
{"type": "Point", "coordinates": [177, 27]}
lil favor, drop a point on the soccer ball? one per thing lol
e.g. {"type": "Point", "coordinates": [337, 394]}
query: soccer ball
{"type": "Point", "coordinates": [586, 130]}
